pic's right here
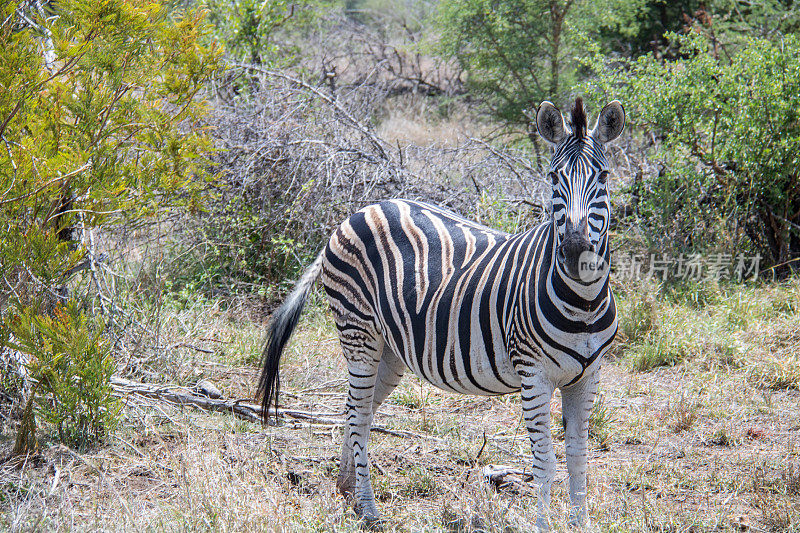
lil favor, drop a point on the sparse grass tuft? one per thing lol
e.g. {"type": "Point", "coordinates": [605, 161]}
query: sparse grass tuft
{"type": "Point", "coordinates": [782, 478]}
{"type": "Point", "coordinates": [656, 351]}
{"type": "Point", "coordinates": [776, 374]}
{"type": "Point", "coordinates": [601, 421]}
{"type": "Point", "coordinates": [723, 436]}
{"type": "Point", "coordinates": [681, 416]}
{"type": "Point", "coordinates": [409, 397]}
{"type": "Point", "coordinates": [419, 484]}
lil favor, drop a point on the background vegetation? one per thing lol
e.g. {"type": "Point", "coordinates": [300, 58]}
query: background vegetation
{"type": "Point", "coordinates": [167, 171]}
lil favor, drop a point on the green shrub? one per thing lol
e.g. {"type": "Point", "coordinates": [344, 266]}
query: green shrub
{"type": "Point", "coordinates": [100, 110]}
{"type": "Point", "coordinates": [70, 365]}
{"type": "Point", "coordinates": [244, 243]}
{"type": "Point", "coordinates": [731, 134]}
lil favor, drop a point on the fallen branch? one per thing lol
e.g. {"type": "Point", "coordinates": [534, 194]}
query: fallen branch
{"type": "Point", "coordinates": [507, 478]}
{"type": "Point", "coordinates": [240, 408]}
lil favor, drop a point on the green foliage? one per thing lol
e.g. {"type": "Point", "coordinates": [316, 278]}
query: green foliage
{"type": "Point", "coordinates": [106, 132]}
{"type": "Point", "coordinates": [645, 34]}
{"type": "Point", "coordinates": [71, 365]}
{"type": "Point", "coordinates": [256, 31]}
{"type": "Point", "coordinates": [732, 134]}
{"type": "Point", "coordinates": [237, 251]}
{"type": "Point", "coordinates": [520, 52]}
{"type": "Point", "coordinates": [728, 22]}
{"type": "Point", "coordinates": [100, 109]}
{"type": "Point", "coordinates": [504, 47]}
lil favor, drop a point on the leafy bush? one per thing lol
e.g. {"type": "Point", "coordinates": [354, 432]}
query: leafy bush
{"type": "Point", "coordinates": [239, 246]}
{"type": "Point", "coordinates": [100, 108]}
{"type": "Point", "coordinates": [70, 365]}
{"type": "Point", "coordinates": [731, 132]}
{"type": "Point", "coordinates": [102, 132]}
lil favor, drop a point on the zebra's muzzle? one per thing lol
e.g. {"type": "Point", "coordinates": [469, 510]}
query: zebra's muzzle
{"type": "Point", "coordinates": [572, 254]}
{"type": "Point", "coordinates": [574, 249]}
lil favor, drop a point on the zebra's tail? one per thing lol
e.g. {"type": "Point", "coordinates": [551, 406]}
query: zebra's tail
{"type": "Point", "coordinates": [279, 330]}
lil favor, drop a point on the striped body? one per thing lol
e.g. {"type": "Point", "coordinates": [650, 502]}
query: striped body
{"type": "Point", "coordinates": [474, 310]}
{"type": "Point", "coordinates": [467, 308]}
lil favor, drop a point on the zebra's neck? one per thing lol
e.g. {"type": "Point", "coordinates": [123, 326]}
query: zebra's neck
{"type": "Point", "coordinates": [575, 299]}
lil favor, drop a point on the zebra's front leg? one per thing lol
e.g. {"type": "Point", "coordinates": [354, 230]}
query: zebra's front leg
{"type": "Point", "coordinates": [577, 402]}
{"type": "Point", "coordinates": [536, 394]}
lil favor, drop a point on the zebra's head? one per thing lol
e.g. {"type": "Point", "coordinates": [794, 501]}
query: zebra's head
{"type": "Point", "coordinates": [578, 172]}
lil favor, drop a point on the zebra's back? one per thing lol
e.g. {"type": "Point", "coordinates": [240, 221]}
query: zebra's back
{"type": "Point", "coordinates": [440, 289]}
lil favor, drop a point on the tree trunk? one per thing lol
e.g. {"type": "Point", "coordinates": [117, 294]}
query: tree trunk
{"type": "Point", "coordinates": [558, 13]}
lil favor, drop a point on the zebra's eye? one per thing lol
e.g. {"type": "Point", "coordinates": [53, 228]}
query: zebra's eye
{"type": "Point", "coordinates": [603, 177]}
{"type": "Point", "coordinates": [554, 178]}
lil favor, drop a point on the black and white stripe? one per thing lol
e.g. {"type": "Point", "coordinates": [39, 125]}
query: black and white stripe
{"type": "Point", "coordinates": [474, 310]}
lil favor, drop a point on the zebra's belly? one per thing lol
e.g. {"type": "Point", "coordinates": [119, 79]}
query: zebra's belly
{"type": "Point", "coordinates": [481, 381]}
{"type": "Point", "coordinates": [468, 360]}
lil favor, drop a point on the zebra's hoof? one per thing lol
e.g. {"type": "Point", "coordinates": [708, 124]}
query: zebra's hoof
{"type": "Point", "coordinates": [542, 525]}
{"type": "Point", "coordinates": [579, 521]}
{"type": "Point", "coordinates": [370, 517]}
{"type": "Point", "coordinates": [372, 524]}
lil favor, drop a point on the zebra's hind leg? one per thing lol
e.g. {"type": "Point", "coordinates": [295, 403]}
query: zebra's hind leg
{"type": "Point", "coordinates": [536, 394]}
{"type": "Point", "coordinates": [362, 350]}
{"type": "Point", "coordinates": [390, 371]}
{"type": "Point", "coordinates": [577, 402]}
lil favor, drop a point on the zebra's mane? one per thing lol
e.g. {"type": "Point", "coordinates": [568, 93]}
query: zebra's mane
{"type": "Point", "coordinates": [578, 119]}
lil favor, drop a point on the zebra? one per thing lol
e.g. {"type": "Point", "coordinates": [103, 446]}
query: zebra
{"type": "Point", "coordinates": [474, 310]}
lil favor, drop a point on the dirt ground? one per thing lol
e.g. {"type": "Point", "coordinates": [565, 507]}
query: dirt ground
{"type": "Point", "coordinates": [693, 447]}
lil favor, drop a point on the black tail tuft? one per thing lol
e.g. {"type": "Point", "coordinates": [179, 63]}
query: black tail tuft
{"type": "Point", "coordinates": [280, 329]}
{"type": "Point", "coordinates": [281, 326]}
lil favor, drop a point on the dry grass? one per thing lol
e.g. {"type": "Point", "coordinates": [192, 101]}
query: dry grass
{"type": "Point", "coordinates": [697, 446]}
{"type": "Point", "coordinates": [408, 120]}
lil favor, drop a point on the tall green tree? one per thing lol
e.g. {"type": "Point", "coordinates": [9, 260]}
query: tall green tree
{"type": "Point", "coordinates": [518, 53]}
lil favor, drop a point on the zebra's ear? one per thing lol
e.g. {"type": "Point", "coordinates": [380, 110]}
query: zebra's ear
{"type": "Point", "coordinates": [610, 122]}
{"type": "Point", "coordinates": [550, 123]}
